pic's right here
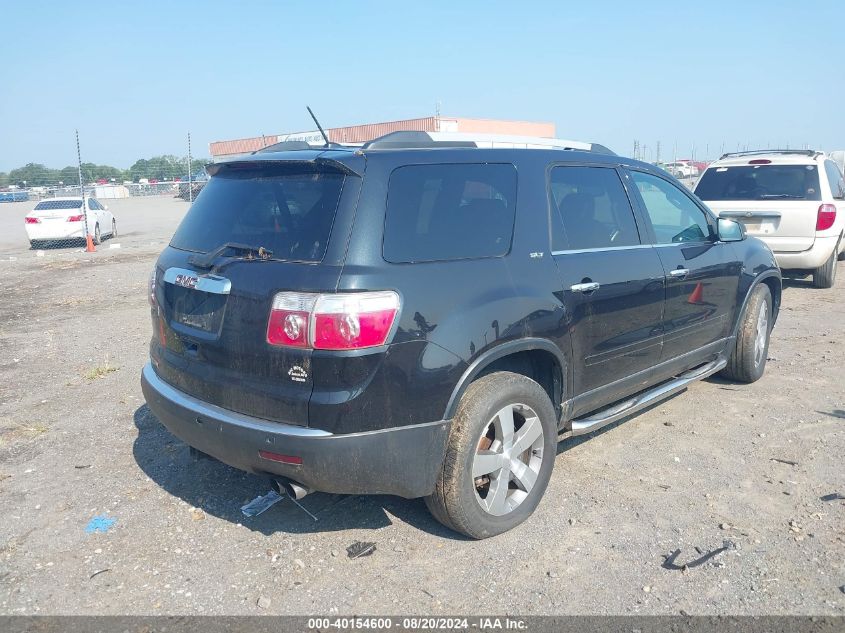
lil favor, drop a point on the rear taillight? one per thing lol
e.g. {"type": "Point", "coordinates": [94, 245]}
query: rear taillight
{"type": "Point", "coordinates": [29, 220]}
{"type": "Point", "coordinates": [76, 218]}
{"type": "Point", "coordinates": [826, 217]}
{"type": "Point", "coordinates": [289, 319]}
{"type": "Point", "coordinates": [332, 321]}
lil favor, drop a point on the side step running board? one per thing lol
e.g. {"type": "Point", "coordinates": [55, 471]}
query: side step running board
{"type": "Point", "coordinates": [614, 412]}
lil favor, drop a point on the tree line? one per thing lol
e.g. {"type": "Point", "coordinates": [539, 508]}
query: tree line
{"type": "Point", "coordinates": [166, 167]}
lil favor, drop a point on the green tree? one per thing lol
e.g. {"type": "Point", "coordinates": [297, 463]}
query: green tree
{"type": "Point", "coordinates": [33, 174]}
{"type": "Point", "coordinates": [4, 179]}
{"type": "Point", "coordinates": [69, 176]}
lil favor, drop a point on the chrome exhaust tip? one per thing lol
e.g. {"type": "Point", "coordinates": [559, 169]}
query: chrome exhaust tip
{"type": "Point", "coordinates": [291, 488]}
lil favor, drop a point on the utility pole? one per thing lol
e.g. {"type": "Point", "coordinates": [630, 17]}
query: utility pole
{"type": "Point", "coordinates": [190, 188]}
{"type": "Point", "coordinates": [657, 153]}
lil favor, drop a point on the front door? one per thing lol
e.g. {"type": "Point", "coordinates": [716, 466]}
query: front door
{"type": "Point", "coordinates": [611, 283]}
{"type": "Point", "coordinates": [702, 273]}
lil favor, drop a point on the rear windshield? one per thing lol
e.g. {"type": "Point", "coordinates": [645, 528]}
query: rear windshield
{"type": "Point", "coordinates": [49, 205]}
{"type": "Point", "coordinates": [760, 182]}
{"type": "Point", "coordinates": [287, 210]}
{"type": "Point", "coordinates": [444, 212]}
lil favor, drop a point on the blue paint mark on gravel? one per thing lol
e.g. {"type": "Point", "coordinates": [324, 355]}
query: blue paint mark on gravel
{"type": "Point", "coordinates": [101, 523]}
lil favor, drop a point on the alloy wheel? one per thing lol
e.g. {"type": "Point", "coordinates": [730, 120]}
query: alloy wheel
{"type": "Point", "coordinates": [507, 462]}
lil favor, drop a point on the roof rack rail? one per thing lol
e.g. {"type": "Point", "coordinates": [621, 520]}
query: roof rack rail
{"type": "Point", "coordinates": [752, 152]}
{"type": "Point", "coordinates": [418, 139]}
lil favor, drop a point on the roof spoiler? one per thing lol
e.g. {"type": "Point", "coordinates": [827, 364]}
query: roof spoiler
{"type": "Point", "coordinates": [246, 163]}
{"type": "Point", "coordinates": [293, 146]}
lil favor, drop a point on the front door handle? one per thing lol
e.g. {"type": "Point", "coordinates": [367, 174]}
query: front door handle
{"type": "Point", "coordinates": [586, 287]}
{"type": "Point", "coordinates": [679, 273]}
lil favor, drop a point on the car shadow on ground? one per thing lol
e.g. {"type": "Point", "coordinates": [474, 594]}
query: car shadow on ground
{"type": "Point", "coordinates": [571, 442]}
{"type": "Point", "coordinates": [58, 245]}
{"type": "Point", "coordinates": [220, 490]}
{"type": "Point", "coordinates": [802, 283]}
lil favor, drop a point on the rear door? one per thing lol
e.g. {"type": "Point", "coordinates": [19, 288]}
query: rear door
{"type": "Point", "coordinates": [214, 301]}
{"type": "Point", "coordinates": [611, 283]}
{"type": "Point", "coordinates": [702, 273]}
{"type": "Point", "coordinates": [776, 202]}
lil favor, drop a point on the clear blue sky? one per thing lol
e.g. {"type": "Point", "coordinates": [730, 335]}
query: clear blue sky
{"type": "Point", "coordinates": [134, 78]}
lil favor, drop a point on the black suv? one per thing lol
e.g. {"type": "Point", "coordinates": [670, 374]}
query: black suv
{"type": "Point", "coordinates": [428, 319]}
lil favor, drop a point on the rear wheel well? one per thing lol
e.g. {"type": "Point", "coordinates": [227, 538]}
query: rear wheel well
{"type": "Point", "coordinates": [775, 289]}
{"type": "Point", "coordinates": [539, 365]}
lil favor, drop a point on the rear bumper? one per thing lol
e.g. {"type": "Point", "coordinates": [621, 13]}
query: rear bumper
{"type": "Point", "coordinates": [55, 231]}
{"type": "Point", "coordinates": [403, 461]}
{"type": "Point", "coordinates": [812, 258]}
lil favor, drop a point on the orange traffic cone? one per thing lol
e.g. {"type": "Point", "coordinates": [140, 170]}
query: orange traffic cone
{"type": "Point", "coordinates": [89, 245]}
{"type": "Point", "coordinates": [697, 293]}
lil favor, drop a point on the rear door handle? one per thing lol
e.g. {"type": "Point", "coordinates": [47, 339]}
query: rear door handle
{"type": "Point", "coordinates": [585, 287]}
{"type": "Point", "coordinates": [679, 273]}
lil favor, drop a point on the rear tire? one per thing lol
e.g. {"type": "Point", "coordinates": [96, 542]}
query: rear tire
{"type": "Point", "coordinates": [487, 485]}
{"type": "Point", "coordinates": [751, 348]}
{"type": "Point", "coordinates": [113, 229]}
{"type": "Point", "coordinates": [825, 275]}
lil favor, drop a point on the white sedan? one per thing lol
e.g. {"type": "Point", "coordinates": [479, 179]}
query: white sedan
{"type": "Point", "coordinates": [63, 219]}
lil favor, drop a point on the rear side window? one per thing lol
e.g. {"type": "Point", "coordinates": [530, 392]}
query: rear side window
{"type": "Point", "coordinates": [590, 209]}
{"type": "Point", "coordinates": [446, 212]}
{"type": "Point", "coordinates": [760, 182]}
{"type": "Point", "coordinates": [834, 177]}
{"type": "Point", "coordinates": [49, 205]}
{"type": "Point", "coordinates": [289, 210]}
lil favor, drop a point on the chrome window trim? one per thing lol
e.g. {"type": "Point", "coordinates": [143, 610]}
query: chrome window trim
{"type": "Point", "coordinates": [696, 243]}
{"type": "Point", "coordinates": [205, 283]}
{"type": "Point", "coordinates": [602, 250]}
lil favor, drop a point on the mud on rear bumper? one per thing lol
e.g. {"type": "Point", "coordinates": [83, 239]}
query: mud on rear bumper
{"type": "Point", "coordinates": [403, 461]}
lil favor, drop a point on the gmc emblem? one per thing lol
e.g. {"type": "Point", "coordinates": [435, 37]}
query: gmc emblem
{"type": "Point", "coordinates": [186, 281]}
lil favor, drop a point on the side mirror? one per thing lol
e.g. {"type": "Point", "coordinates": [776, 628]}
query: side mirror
{"type": "Point", "coordinates": [731, 230]}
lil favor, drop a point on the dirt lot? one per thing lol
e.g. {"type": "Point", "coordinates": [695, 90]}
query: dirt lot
{"type": "Point", "coordinates": [719, 464]}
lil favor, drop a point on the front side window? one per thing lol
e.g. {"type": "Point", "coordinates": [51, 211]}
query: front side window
{"type": "Point", "coordinates": [674, 216]}
{"type": "Point", "coordinates": [834, 177]}
{"type": "Point", "coordinates": [448, 212]}
{"type": "Point", "coordinates": [590, 209]}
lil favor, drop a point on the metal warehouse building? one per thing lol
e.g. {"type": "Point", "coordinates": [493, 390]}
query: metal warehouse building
{"type": "Point", "coordinates": [369, 131]}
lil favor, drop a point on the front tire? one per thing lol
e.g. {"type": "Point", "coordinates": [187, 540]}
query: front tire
{"type": "Point", "coordinates": [501, 450]}
{"type": "Point", "coordinates": [113, 229]}
{"type": "Point", "coordinates": [98, 238]}
{"type": "Point", "coordinates": [751, 348]}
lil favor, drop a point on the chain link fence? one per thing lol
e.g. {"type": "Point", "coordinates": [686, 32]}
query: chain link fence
{"type": "Point", "coordinates": [56, 214]}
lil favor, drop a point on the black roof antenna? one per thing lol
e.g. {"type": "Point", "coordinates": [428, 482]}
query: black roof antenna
{"type": "Point", "coordinates": [319, 127]}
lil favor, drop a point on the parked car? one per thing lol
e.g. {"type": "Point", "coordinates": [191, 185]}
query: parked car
{"type": "Point", "coordinates": [794, 200]}
{"type": "Point", "coordinates": [682, 169]}
{"type": "Point", "coordinates": [418, 328]}
{"type": "Point", "coordinates": [14, 195]}
{"type": "Point", "coordinates": [61, 219]}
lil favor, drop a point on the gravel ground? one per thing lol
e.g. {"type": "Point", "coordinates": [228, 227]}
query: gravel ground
{"type": "Point", "coordinates": [739, 466]}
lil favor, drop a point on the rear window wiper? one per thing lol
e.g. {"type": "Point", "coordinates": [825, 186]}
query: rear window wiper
{"type": "Point", "coordinates": [780, 196]}
{"type": "Point", "coordinates": [250, 253]}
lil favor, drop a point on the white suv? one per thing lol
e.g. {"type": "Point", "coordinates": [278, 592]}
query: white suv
{"type": "Point", "coordinates": [794, 200]}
